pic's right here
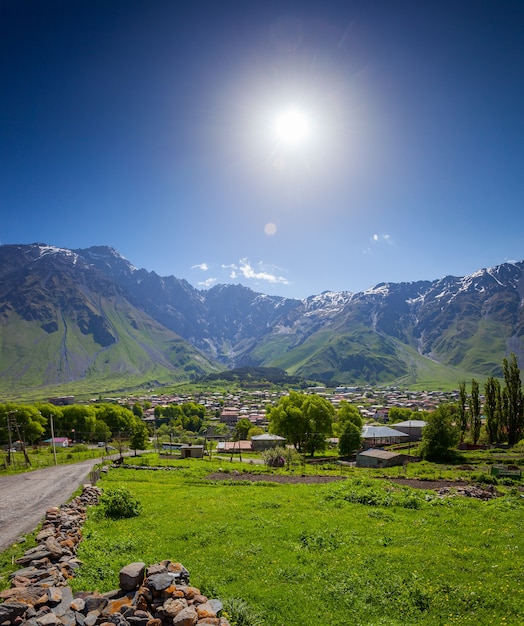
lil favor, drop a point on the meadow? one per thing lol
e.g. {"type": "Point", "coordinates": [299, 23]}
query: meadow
{"type": "Point", "coordinates": [357, 551]}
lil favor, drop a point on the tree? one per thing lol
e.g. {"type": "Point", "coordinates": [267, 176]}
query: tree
{"type": "Point", "coordinates": [492, 408]}
{"type": "Point", "coordinates": [304, 420]}
{"type": "Point", "coordinates": [254, 431]}
{"type": "Point", "coordinates": [350, 440]}
{"type": "Point", "coordinates": [139, 435]}
{"type": "Point", "coordinates": [319, 414]}
{"type": "Point", "coordinates": [440, 435]}
{"type": "Point", "coordinates": [463, 402]}
{"type": "Point", "coordinates": [514, 415]}
{"type": "Point", "coordinates": [474, 411]}
{"type": "Point", "coordinates": [346, 413]}
{"type": "Point", "coordinates": [286, 419]}
{"type": "Point", "coordinates": [399, 414]}
{"type": "Point", "coordinates": [242, 427]}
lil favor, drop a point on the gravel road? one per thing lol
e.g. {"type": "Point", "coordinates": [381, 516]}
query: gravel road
{"type": "Point", "coordinates": [24, 498]}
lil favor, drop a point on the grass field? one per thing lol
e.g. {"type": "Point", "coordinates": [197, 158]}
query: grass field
{"type": "Point", "coordinates": [359, 551]}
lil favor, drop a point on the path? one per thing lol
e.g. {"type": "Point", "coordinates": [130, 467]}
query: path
{"type": "Point", "coordinates": [25, 497]}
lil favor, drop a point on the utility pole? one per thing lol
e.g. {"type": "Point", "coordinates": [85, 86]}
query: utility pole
{"type": "Point", "coordinates": [8, 416]}
{"type": "Point", "coordinates": [53, 437]}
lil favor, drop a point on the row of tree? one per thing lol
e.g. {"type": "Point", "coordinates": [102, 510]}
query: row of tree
{"type": "Point", "coordinates": [503, 407]}
{"type": "Point", "coordinates": [90, 423]}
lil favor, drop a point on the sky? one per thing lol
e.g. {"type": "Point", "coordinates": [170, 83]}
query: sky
{"type": "Point", "coordinates": [291, 147]}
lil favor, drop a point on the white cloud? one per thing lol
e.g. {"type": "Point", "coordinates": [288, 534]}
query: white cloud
{"type": "Point", "coordinates": [247, 271]}
{"type": "Point", "coordinates": [207, 283]}
{"type": "Point", "coordinates": [380, 238]}
{"type": "Point", "coordinates": [200, 266]}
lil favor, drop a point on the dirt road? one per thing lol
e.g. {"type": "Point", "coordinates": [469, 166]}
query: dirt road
{"type": "Point", "coordinates": [24, 498]}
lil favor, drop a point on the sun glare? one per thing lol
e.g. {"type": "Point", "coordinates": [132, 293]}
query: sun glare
{"type": "Point", "coordinates": [292, 127]}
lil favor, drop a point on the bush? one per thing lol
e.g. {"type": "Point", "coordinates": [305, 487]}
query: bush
{"type": "Point", "coordinates": [484, 479]}
{"type": "Point", "coordinates": [119, 503]}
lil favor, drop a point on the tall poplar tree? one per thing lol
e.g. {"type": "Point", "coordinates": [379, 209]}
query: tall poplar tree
{"type": "Point", "coordinates": [462, 404]}
{"type": "Point", "coordinates": [493, 408]}
{"type": "Point", "coordinates": [474, 411]}
{"type": "Point", "coordinates": [515, 404]}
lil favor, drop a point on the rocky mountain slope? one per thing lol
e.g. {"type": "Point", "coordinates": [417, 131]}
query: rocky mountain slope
{"type": "Point", "coordinates": [73, 315]}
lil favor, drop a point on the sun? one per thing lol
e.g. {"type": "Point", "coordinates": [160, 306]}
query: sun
{"type": "Point", "coordinates": [292, 127]}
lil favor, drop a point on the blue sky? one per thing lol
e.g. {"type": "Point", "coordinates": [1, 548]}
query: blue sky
{"type": "Point", "coordinates": [150, 126]}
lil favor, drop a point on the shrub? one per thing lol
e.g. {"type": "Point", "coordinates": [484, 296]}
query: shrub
{"type": "Point", "coordinates": [119, 503]}
{"type": "Point", "coordinates": [240, 613]}
{"type": "Point", "coordinates": [484, 479]}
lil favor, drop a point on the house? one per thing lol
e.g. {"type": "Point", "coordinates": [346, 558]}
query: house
{"type": "Point", "coordinates": [189, 451]}
{"type": "Point", "coordinates": [234, 446]}
{"type": "Point", "coordinates": [379, 458]}
{"type": "Point", "coordinates": [381, 435]}
{"type": "Point", "coordinates": [266, 441]}
{"type": "Point", "coordinates": [413, 428]}
{"type": "Point", "coordinates": [60, 442]}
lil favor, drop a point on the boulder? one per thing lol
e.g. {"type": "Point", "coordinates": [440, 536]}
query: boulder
{"type": "Point", "coordinates": [131, 576]}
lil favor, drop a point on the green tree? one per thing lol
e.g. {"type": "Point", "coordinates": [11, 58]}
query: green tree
{"type": "Point", "coordinates": [474, 411]}
{"type": "Point", "coordinates": [399, 414]}
{"type": "Point", "coordinates": [286, 419]}
{"type": "Point", "coordinates": [318, 413]}
{"type": "Point", "coordinates": [304, 420]}
{"type": "Point", "coordinates": [346, 412]}
{"type": "Point", "coordinates": [139, 435]}
{"type": "Point", "coordinates": [350, 440]}
{"type": "Point", "coordinates": [492, 408]}
{"type": "Point", "coordinates": [440, 435]}
{"type": "Point", "coordinates": [462, 407]}
{"type": "Point", "coordinates": [79, 417]}
{"type": "Point", "coordinates": [102, 431]}
{"type": "Point", "coordinates": [514, 414]}
{"type": "Point", "coordinates": [254, 431]}
{"type": "Point", "coordinates": [242, 428]}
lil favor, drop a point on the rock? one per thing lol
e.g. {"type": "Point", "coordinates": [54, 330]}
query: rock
{"type": "Point", "coordinates": [78, 604]}
{"type": "Point", "coordinates": [9, 611]}
{"type": "Point", "coordinates": [172, 607]}
{"type": "Point", "coordinates": [209, 609]}
{"type": "Point", "coordinates": [54, 595]}
{"type": "Point", "coordinates": [47, 619]}
{"type": "Point", "coordinates": [156, 569]}
{"type": "Point", "coordinates": [118, 620]}
{"type": "Point", "coordinates": [64, 606]}
{"type": "Point", "coordinates": [131, 576]}
{"type": "Point", "coordinates": [92, 617]}
{"type": "Point", "coordinates": [186, 617]}
{"type": "Point", "coordinates": [159, 582]}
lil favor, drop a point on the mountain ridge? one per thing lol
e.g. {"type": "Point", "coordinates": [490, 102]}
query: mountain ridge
{"type": "Point", "coordinates": [116, 321]}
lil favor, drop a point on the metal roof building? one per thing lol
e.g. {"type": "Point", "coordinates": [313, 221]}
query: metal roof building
{"type": "Point", "coordinates": [381, 435]}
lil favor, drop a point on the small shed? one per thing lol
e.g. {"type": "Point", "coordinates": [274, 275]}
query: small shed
{"type": "Point", "coordinates": [379, 458]}
{"type": "Point", "coordinates": [382, 435]}
{"type": "Point", "coordinates": [266, 441]}
{"type": "Point", "coordinates": [413, 428]}
{"type": "Point", "coordinates": [188, 451]}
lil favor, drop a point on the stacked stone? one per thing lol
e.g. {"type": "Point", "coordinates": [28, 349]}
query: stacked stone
{"type": "Point", "coordinates": [161, 596]}
{"type": "Point", "coordinates": [40, 595]}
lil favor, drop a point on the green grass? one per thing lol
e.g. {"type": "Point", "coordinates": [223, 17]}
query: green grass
{"type": "Point", "coordinates": [359, 551]}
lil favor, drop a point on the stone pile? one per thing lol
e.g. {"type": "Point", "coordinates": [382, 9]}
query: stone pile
{"type": "Point", "coordinates": [469, 491]}
{"type": "Point", "coordinates": [40, 596]}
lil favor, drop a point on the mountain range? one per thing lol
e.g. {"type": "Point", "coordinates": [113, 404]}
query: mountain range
{"type": "Point", "coordinates": [89, 318]}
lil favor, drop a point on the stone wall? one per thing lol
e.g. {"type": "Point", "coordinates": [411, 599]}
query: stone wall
{"type": "Point", "coordinates": [158, 595]}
